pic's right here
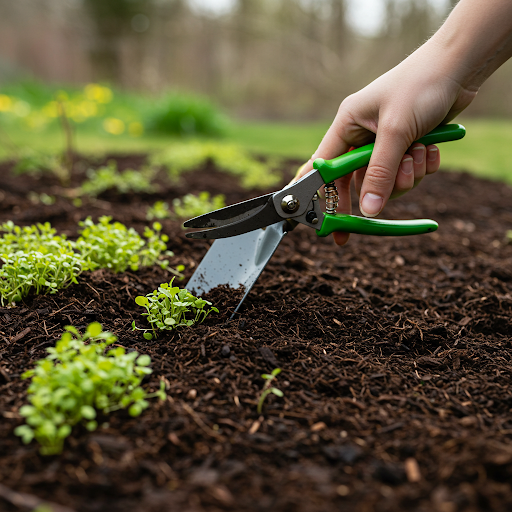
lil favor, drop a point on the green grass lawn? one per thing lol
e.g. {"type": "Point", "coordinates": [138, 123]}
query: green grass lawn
{"type": "Point", "coordinates": [485, 151]}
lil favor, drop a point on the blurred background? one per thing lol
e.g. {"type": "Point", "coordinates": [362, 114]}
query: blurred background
{"type": "Point", "coordinates": [272, 72]}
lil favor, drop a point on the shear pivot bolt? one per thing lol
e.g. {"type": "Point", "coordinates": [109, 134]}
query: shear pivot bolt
{"type": "Point", "coordinates": [290, 204]}
{"type": "Point", "coordinates": [311, 217]}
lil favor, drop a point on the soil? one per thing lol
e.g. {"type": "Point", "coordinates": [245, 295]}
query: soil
{"type": "Point", "coordinates": [395, 356]}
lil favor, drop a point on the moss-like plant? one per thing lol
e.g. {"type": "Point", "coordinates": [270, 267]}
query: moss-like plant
{"type": "Point", "coordinates": [171, 307]}
{"type": "Point", "coordinates": [76, 380]}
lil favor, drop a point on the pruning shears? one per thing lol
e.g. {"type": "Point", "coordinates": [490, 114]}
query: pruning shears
{"type": "Point", "coordinates": [299, 203]}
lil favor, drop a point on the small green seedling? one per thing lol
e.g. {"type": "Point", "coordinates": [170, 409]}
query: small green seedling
{"type": "Point", "coordinates": [160, 210]}
{"type": "Point", "coordinates": [77, 379]}
{"type": "Point", "coordinates": [268, 388]}
{"type": "Point", "coordinates": [171, 307]}
{"type": "Point", "coordinates": [108, 177]}
{"type": "Point", "coordinates": [112, 245]}
{"type": "Point", "coordinates": [252, 173]}
{"type": "Point", "coordinates": [192, 206]}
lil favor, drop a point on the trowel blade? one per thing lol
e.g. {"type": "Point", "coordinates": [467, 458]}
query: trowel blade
{"type": "Point", "coordinates": [237, 261]}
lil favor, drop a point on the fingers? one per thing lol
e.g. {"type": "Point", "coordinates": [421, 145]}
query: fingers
{"type": "Point", "coordinates": [416, 164]}
{"type": "Point", "coordinates": [433, 159]}
{"type": "Point", "coordinates": [379, 181]}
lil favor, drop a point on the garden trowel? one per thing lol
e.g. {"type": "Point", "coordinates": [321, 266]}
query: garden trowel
{"type": "Point", "coordinates": [249, 232]}
{"type": "Point", "coordinates": [238, 261]}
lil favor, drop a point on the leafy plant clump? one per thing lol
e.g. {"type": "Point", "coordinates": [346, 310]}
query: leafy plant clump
{"type": "Point", "coordinates": [116, 247]}
{"type": "Point", "coordinates": [268, 388]}
{"type": "Point", "coordinates": [185, 115]}
{"type": "Point", "coordinates": [23, 272]}
{"type": "Point", "coordinates": [229, 158]}
{"type": "Point", "coordinates": [192, 206]}
{"type": "Point", "coordinates": [35, 164]}
{"type": "Point", "coordinates": [108, 177]}
{"type": "Point", "coordinates": [35, 258]}
{"type": "Point", "coordinates": [76, 380]}
{"type": "Point", "coordinates": [171, 307]}
{"type": "Point", "coordinates": [159, 210]}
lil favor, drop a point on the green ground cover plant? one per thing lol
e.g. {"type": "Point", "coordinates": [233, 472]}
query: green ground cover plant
{"type": "Point", "coordinates": [109, 177]}
{"type": "Point", "coordinates": [191, 205]}
{"type": "Point", "coordinates": [112, 245]}
{"type": "Point", "coordinates": [78, 379]}
{"type": "Point", "coordinates": [159, 210]}
{"type": "Point", "coordinates": [171, 307]}
{"type": "Point", "coordinates": [35, 259]}
{"type": "Point", "coordinates": [183, 157]}
{"type": "Point", "coordinates": [38, 260]}
{"type": "Point", "coordinates": [25, 272]}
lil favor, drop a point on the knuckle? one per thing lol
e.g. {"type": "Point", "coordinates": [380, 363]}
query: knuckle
{"type": "Point", "coordinates": [379, 176]}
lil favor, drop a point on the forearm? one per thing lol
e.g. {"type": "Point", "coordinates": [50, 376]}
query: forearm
{"type": "Point", "coordinates": [476, 39]}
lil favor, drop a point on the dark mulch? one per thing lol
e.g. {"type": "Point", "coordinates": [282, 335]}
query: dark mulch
{"type": "Point", "coordinates": [395, 357]}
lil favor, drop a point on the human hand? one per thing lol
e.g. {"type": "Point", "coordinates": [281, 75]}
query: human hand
{"type": "Point", "coordinates": [395, 110]}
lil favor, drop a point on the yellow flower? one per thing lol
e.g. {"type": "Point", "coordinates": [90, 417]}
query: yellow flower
{"type": "Point", "coordinates": [135, 129]}
{"type": "Point", "coordinates": [113, 125]}
{"type": "Point", "coordinates": [51, 109]}
{"type": "Point", "coordinates": [88, 108]}
{"type": "Point", "coordinates": [21, 108]}
{"type": "Point", "coordinates": [5, 103]}
{"type": "Point", "coordinates": [98, 93]}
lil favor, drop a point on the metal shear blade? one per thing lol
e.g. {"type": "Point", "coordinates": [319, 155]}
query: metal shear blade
{"type": "Point", "coordinates": [235, 219]}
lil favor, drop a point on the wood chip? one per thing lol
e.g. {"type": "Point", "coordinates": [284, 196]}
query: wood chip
{"type": "Point", "coordinates": [318, 426]}
{"type": "Point", "coordinates": [256, 425]}
{"type": "Point", "coordinates": [412, 470]}
{"type": "Point", "coordinates": [21, 335]}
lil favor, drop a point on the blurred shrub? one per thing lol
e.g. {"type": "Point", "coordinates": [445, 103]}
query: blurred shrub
{"type": "Point", "coordinates": [230, 158]}
{"type": "Point", "coordinates": [186, 114]}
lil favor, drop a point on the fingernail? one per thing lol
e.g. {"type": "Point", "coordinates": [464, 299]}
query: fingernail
{"type": "Point", "coordinates": [407, 166]}
{"type": "Point", "coordinates": [371, 204]}
{"type": "Point", "coordinates": [418, 154]}
{"type": "Point", "coordinates": [432, 154]}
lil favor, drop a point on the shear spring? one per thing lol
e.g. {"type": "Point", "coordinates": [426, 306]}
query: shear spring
{"type": "Point", "coordinates": [331, 198]}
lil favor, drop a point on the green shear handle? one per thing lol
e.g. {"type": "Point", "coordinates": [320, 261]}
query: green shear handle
{"type": "Point", "coordinates": [331, 170]}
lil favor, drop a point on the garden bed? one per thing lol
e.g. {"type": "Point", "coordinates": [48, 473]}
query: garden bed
{"type": "Point", "coordinates": [395, 357]}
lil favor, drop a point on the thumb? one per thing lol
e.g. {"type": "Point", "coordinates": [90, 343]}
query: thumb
{"type": "Point", "coordinates": [379, 180]}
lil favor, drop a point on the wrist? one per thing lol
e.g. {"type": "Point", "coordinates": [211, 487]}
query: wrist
{"type": "Point", "coordinates": [474, 41]}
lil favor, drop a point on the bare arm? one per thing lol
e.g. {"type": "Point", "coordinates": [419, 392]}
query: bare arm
{"type": "Point", "coordinates": [431, 86]}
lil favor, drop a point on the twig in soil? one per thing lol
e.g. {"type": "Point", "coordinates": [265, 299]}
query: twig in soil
{"type": "Point", "coordinates": [59, 310]}
{"type": "Point", "coordinates": [95, 291]}
{"type": "Point", "coordinates": [21, 335]}
{"type": "Point", "coordinates": [29, 501]}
